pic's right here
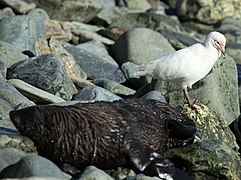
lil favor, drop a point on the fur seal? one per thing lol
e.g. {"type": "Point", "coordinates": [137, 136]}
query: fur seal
{"type": "Point", "coordinates": [131, 133]}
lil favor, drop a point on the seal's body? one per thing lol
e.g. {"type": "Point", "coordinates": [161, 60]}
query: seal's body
{"type": "Point", "coordinates": [129, 133]}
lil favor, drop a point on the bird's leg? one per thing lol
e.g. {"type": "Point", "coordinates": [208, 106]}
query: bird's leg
{"type": "Point", "coordinates": [187, 96]}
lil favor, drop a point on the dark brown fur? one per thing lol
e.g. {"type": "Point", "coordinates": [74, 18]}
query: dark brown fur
{"type": "Point", "coordinates": [104, 134]}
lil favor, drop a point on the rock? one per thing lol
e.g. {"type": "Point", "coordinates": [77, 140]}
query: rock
{"type": "Point", "coordinates": [95, 66]}
{"type": "Point", "coordinates": [113, 86]}
{"type": "Point", "coordinates": [22, 31]}
{"type": "Point", "coordinates": [211, 90]}
{"type": "Point", "coordinates": [67, 60]}
{"type": "Point", "coordinates": [235, 127]}
{"type": "Point", "coordinates": [141, 5]}
{"type": "Point", "coordinates": [207, 12]}
{"type": "Point", "coordinates": [143, 177]}
{"type": "Point", "coordinates": [93, 173]}
{"type": "Point", "coordinates": [33, 165]}
{"type": "Point", "coordinates": [3, 69]}
{"type": "Point", "coordinates": [140, 45]}
{"type": "Point", "coordinates": [76, 25]}
{"type": "Point", "coordinates": [10, 156]}
{"type": "Point", "coordinates": [122, 173]}
{"type": "Point", "coordinates": [18, 142]}
{"type": "Point", "coordinates": [157, 95]}
{"type": "Point", "coordinates": [112, 33]}
{"type": "Point", "coordinates": [6, 12]}
{"type": "Point", "coordinates": [96, 47]}
{"type": "Point", "coordinates": [5, 108]}
{"type": "Point", "coordinates": [74, 10]}
{"type": "Point", "coordinates": [44, 72]}
{"type": "Point", "coordinates": [9, 54]}
{"type": "Point", "coordinates": [95, 93]}
{"type": "Point", "coordinates": [37, 13]}
{"type": "Point", "coordinates": [19, 6]}
{"type": "Point", "coordinates": [34, 93]}
{"type": "Point", "coordinates": [209, 159]}
{"type": "Point", "coordinates": [10, 94]}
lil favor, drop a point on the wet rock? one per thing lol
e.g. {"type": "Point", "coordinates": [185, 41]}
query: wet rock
{"type": "Point", "coordinates": [95, 93]}
{"type": "Point", "coordinates": [10, 94]}
{"type": "Point", "coordinates": [19, 142]}
{"type": "Point", "coordinates": [113, 86]}
{"type": "Point", "coordinates": [47, 74]}
{"type": "Point", "coordinates": [211, 90]}
{"type": "Point", "coordinates": [19, 6]}
{"type": "Point", "coordinates": [9, 54]}
{"type": "Point", "coordinates": [31, 92]}
{"type": "Point", "coordinates": [10, 156]}
{"type": "Point", "coordinates": [22, 31]}
{"type": "Point", "coordinates": [130, 46]}
{"type": "Point", "coordinates": [95, 66]}
{"type": "Point", "coordinates": [93, 173]}
{"type": "Point", "coordinates": [33, 165]}
{"type": "Point", "coordinates": [80, 10]}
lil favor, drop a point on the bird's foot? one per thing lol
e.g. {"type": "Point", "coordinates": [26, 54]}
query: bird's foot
{"type": "Point", "coordinates": [192, 103]}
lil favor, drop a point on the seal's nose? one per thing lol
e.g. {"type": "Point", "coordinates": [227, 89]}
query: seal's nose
{"type": "Point", "coordinates": [14, 116]}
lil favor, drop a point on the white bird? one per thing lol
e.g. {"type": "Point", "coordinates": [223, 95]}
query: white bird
{"type": "Point", "coordinates": [187, 66]}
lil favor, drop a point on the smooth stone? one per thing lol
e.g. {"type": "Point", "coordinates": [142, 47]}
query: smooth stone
{"type": "Point", "coordinates": [93, 173]}
{"type": "Point", "coordinates": [5, 108]}
{"type": "Point", "coordinates": [113, 86]}
{"type": "Point", "coordinates": [3, 69]}
{"type": "Point", "coordinates": [22, 31]}
{"type": "Point", "coordinates": [44, 72]}
{"type": "Point", "coordinates": [10, 94]}
{"type": "Point", "coordinates": [99, 48]}
{"type": "Point", "coordinates": [9, 156]}
{"type": "Point", "coordinates": [95, 66]}
{"type": "Point", "coordinates": [33, 165]}
{"type": "Point", "coordinates": [9, 54]}
{"type": "Point", "coordinates": [211, 90]}
{"type": "Point", "coordinates": [129, 69]}
{"type": "Point", "coordinates": [6, 12]}
{"type": "Point", "coordinates": [75, 25]}
{"type": "Point", "coordinates": [140, 46]}
{"type": "Point", "coordinates": [38, 12]}
{"type": "Point", "coordinates": [22, 143]}
{"type": "Point", "coordinates": [157, 95]}
{"type": "Point", "coordinates": [143, 5]}
{"type": "Point", "coordinates": [19, 6]}
{"type": "Point", "coordinates": [34, 93]}
{"type": "Point", "coordinates": [95, 93]}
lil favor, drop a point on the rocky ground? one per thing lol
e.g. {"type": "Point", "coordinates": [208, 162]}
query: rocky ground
{"type": "Point", "coordinates": [88, 50]}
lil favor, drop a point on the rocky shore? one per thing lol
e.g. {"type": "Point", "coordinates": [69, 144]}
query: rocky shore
{"type": "Point", "coordinates": [64, 52]}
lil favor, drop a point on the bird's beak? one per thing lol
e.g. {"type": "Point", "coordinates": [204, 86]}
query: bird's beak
{"type": "Point", "coordinates": [222, 49]}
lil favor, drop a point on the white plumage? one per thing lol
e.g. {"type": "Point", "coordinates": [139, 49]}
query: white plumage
{"type": "Point", "coordinates": [187, 66]}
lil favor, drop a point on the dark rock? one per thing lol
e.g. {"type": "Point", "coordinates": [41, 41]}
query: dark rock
{"type": "Point", "coordinates": [32, 165]}
{"type": "Point", "coordinates": [107, 134]}
{"type": "Point", "coordinates": [235, 127]}
{"type": "Point", "coordinates": [95, 66]}
{"type": "Point", "coordinates": [140, 46]}
{"type": "Point", "coordinates": [95, 93]}
{"type": "Point", "coordinates": [22, 31]}
{"type": "Point", "coordinates": [44, 72]}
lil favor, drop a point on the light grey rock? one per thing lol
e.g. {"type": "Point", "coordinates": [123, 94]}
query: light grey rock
{"type": "Point", "coordinates": [3, 69]}
{"type": "Point", "coordinates": [95, 93]}
{"type": "Point", "coordinates": [44, 72]}
{"type": "Point", "coordinates": [5, 108]}
{"type": "Point", "coordinates": [95, 66]}
{"type": "Point", "coordinates": [34, 93]}
{"type": "Point", "coordinates": [143, 177]}
{"type": "Point", "coordinates": [9, 156]}
{"type": "Point", "coordinates": [33, 165]}
{"type": "Point", "coordinates": [96, 47]}
{"type": "Point", "coordinates": [6, 12]}
{"type": "Point", "coordinates": [218, 90]}
{"type": "Point", "coordinates": [157, 95]}
{"type": "Point", "coordinates": [143, 5]}
{"type": "Point", "coordinates": [113, 86]}
{"type": "Point", "coordinates": [19, 6]}
{"type": "Point", "coordinates": [93, 173]}
{"type": "Point", "coordinates": [22, 31]}
{"type": "Point", "coordinates": [10, 94]}
{"type": "Point", "coordinates": [140, 46]}
{"type": "Point", "coordinates": [9, 54]}
{"type": "Point", "coordinates": [38, 12]}
{"type": "Point", "coordinates": [129, 69]}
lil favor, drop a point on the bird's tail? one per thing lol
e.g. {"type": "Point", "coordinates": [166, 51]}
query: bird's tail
{"type": "Point", "coordinates": [146, 69]}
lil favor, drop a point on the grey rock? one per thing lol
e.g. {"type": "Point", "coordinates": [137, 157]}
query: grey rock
{"type": "Point", "coordinates": [140, 45]}
{"type": "Point", "coordinates": [129, 69]}
{"type": "Point", "coordinates": [218, 90]}
{"type": "Point", "coordinates": [3, 69]}
{"type": "Point", "coordinates": [5, 108]}
{"type": "Point", "coordinates": [38, 12]}
{"type": "Point", "coordinates": [6, 12]}
{"type": "Point", "coordinates": [32, 165]}
{"type": "Point", "coordinates": [22, 31]}
{"type": "Point", "coordinates": [143, 177]}
{"type": "Point", "coordinates": [96, 47]}
{"type": "Point", "coordinates": [78, 10]}
{"type": "Point", "coordinates": [9, 54]}
{"type": "Point", "coordinates": [123, 173]}
{"type": "Point", "coordinates": [95, 93]}
{"type": "Point", "coordinates": [113, 86]}
{"type": "Point", "coordinates": [10, 94]}
{"type": "Point", "coordinates": [157, 95]}
{"type": "Point", "coordinates": [136, 4]}
{"type": "Point", "coordinates": [34, 93]}
{"type": "Point", "coordinates": [95, 66]}
{"type": "Point", "coordinates": [44, 72]}
{"type": "Point", "coordinates": [19, 6]}
{"type": "Point", "coordinates": [93, 173]}
{"type": "Point", "coordinates": [18, 142]}
{"type": "Point", "coordinates": [9, 156]}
